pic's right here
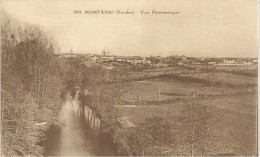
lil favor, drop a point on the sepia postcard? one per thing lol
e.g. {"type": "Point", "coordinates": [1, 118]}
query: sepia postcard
{"type": "Point", "coordinates": [129, 77]}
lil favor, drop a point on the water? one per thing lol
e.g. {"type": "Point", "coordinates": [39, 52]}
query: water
{"type": "Point", "coordinates": [76, 137]}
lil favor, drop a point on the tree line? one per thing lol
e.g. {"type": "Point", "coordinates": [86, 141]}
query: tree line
{"type": "Point", "coordinates": [31, 83]}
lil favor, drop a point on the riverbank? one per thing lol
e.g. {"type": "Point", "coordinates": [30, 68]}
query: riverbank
{"type": "Point", "coordinates": [76, 135]}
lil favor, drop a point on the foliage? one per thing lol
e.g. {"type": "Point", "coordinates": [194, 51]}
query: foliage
{"type": "Point", "coordinates": [30, 86]}
{"type": "Point", "coordinates": [193, 133]}
{"type": "Point", "coordinates": [142, 140]}
{"type": "Point", "coordinates": [197, 130]}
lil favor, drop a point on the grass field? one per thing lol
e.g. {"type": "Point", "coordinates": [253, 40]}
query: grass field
{"type": "Point", "coordinates": [237, 127]}
{"type": "Point", "coordinates": [172, 89]}
{"type": "Point", "coordinates": [224, 78]}
{"type": "Point", "coordinates": [145, 74]}
{"type": "Point", "coordinates": [226, 67]}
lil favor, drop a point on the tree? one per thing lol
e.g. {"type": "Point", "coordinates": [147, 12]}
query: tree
{"type": "Point", "coordinates": [30, 86]}
{"type": "Point", "coordinates": [198, 129]}
{"type": "Point", "coordinates": [138, 142]}
{"type": "Point", "coordinates": [152, 137]}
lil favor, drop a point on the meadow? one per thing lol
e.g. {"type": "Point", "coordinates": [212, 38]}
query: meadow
{"type": "Point", "coordinates": [172, 89]}
{"type": "Point", "coordinates": [237, 126]}
{"type": "Point", "coordinates": [224, 78]}
{"type": "Point", "coordinates": [228, 67]}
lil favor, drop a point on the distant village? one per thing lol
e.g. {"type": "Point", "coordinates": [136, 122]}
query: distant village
{"type": "Point", "coordinates": [106, 57]}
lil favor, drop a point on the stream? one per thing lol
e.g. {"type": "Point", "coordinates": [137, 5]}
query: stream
{"type": "Point", "coordinates": [76, 137]}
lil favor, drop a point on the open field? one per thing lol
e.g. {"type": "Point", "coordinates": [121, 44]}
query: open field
{"type": "Point", "coordinates": [173, 89]}
{"type": "Point", "coordinates": [236, 131]}
{"type": "Point", "coordinates": [224, 78]}
{"type": "Point", "coordinates": [237, 127]}
{"type": "Point", "coordinates": [157, 72]}
{"type": "Point", "coordinates": [229, 67]}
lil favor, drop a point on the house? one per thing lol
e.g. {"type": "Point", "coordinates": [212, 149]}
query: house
{"type": "Point", "coordinates": [107, 58]}
{"type": "Point", "coordinates": [183, 57]}
{"type": "Point", "coordinates": [180, 63]}
{"type": "Point", "coordinates": [138, 60]}
{"type": "Point", "coordinates": [229, 61]}
{"type": "Point", "coordinates": [212, 63]}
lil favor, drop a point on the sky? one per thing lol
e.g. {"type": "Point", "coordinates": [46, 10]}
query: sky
{"type": "Point", "coordinates": [213, 28]}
